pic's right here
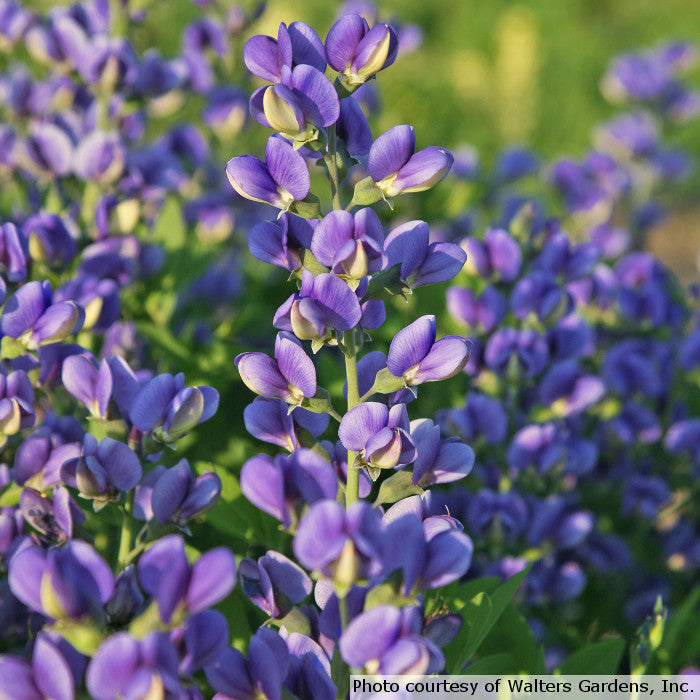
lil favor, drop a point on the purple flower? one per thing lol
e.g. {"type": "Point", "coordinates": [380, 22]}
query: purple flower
{"type": "Point", "coordinates": [295, 45]}
{"type": "Point", "coordinates": [522, 351]}
{"type": "Point", "coordinates": [281, 242]}
{"type": "Point", "coordinates": [559, 521]}
{"type": "Point", "coordinates": [16, 403]}
{"type": "Point", "coordinates": [433, 553]}
{"type": "Point", "coordinates": [280, 181]}
{"type": "Point", "coordinates": [284, 485]}
{"type": "Point", "coordinates": [395, 168]}
{"type": "Point", "coordinates": [274, 583]}
{"type": "Point", "coordinates": [31, 316]}
{"type": "Point", "coordinates": [46, 152]}
{"type": "Point", "coordinates": [71, 582]}
{"type": "Point", "coordinates": [350, 245]}
{"type": "Point", "coordinates": [290, 376]}
{"type": "Point", "coordinates": [260, 675]}
{"type": "Point", "coordinates": [416, 356]}
{"type": "Point", "coordinates": [124, 667]}
{"type": "Point", "coordinates": [179, 495]}
{"type": "Point", "coordinates": [357, 52]}
{"type": "Point", "coordinates": [13, 253]}
{"type": "Point", "coordinates": [422, 262]}
{"type": "Point", "coordinates": [387, 640]}
{"type": "Point", "coordinates": [166, 575]}
{"type": "Point", "coordinates": [498, 255]}
{"type": "Point", "coordinates": [568, 390]}
{"type": "Point", "coordinates": [539, 293]}
{"type": "Point", "coordinates": [53, 517]}
{"type": "Point", "coordinates": [324, 303]}
{"type": "Point", "coordinates": [55, 671]}
{"type": "Point", "coordinates": [438, 461]}
{"type": "Point", "coordinates": [300, 107]}
{"type": "Point", "coordinates": [342, 544]}
{"type": "Point", "coordinates": [269, 420]}
{"type": "Point", "coordinates": [684, 437]}
{"type": "Point", "coordinates": [102, 470]}
{"type": "Point", "coordinates": [483, 312]}
{"type": "Point", "coordinates": [309, 674]}
{"type": "Point", "coordinates": [504, 512]}
{"type": "Point", "coordinates": [226, 111]}
{"type": "Point", "coordinates": [89, 383]}
{"type": "Point", "coordinates": [353, 129]}
{"type": "Point", "coordinates": [482, 416]}
{"type": "Point", "coordinates": [50, 239]}
{"type": "Point", "coordinates": [379, 434]}
{"type": "Point", "coordinates": [168, 410]}
{"type": "Point", "coordinates": [100, 156]}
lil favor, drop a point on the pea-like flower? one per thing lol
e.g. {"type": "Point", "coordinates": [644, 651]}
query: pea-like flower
{"type": "Point", "coordinates": [417, 357]}
{"type": "Point", "coordinates": [439, 461]}
{"type": "Point", "coordinates": [357, 52]}
{"type": "Point", "coordinates": [281, 242]}
{"type": "Point", "coordinates": [280, 181]}
{"type": "Point", "coordinates": [422, 262]}
{"type": "Point", "coordinates": [168, 409]}
{"type": "Point", "coordinates": [89, 382]}
{"type": "Point", "coordinates": [67, 583]}
{"type": "Point", "coordinates": [380, 434]}
{"type": "Point", "coordinates": [31, 316]}
{"type": "Point", "coordinates": [103, 469]}
{"type": "Point", "coordinates": [290, 376]}
{"type": "Point", "coordinates": [324, 303]}
{"type": "Point", "coordinates": [396, 168]}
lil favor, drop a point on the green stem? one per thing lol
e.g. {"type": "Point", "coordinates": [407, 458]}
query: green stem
{"type": "Point", "coordinates": [352, 490]}
{"type": "Point", "coordinates": [127, 531]}
{"type": "Point", "coordinates": [329, 159]}
{"type": "Point", "coordinates": [117, 18]}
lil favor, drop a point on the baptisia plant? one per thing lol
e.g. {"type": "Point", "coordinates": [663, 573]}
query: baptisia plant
{"type": "Point", "coordinates": [330, 495]}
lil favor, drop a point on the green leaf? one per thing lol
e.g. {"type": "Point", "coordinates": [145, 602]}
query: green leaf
{"type": "Point", "coordinates": [601, 658]}
{"type": "Point", "coordinates": [475, 614]}
{"type": "Point", "coordinates": [397, 486]}
{"type": "Point", "coordinates": [475, 629]}
{"type": "Point", "coordinates": [495, 664]}
{"type": "Point", "coordinates": [170, 229]}
{"type": "Point", "coordinates": [513, 633]}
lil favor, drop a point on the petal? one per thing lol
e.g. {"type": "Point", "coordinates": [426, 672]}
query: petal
{"type": "Point", "coordinates": [334, 230]}
{"type": "Point", "coordinates": [17, 680]}
{"type": "Point", "coordinates": [361, 423]}
{"type": "Point", "coordinates": [206, 637]}
{"type": "Point", "coordinates": [170, 490]}
{"type": "Point", "coordinates": [321, 535]}
{"type": "Point", "coordinates": [24, 308]}
{"type": "Point", "coordinates": [269, 421]}
{"type": "Point", "coordinates": [370, 635]}
{"type": "Point", "coordinates": [342, 40]}
{"type": "Point", "coordinates": [353, 128]}
{"type": "Point", "coordinates": [411, 344]}
{"type": "Point", "coordinates": [266, 243]}
{"type": "Point", "coordinates": [213, 578]}
{"type": "Point", "coordinates": [442, 262]}
{"type": "Point", "coordinates": [250, 177]}
{"type": "Point", "coordinates": [391, 151]}
{"type": "Point", "coordinates": [286, 576]}
{"type": "Point", "coordinates": [229, 675]}
{"type": "Point", "coordinates": [120, 462]}
{"type": "Point", "coordinates": [408, 244]}
{"type": "Point", "coordinates": [287, 167]}
{"type": "Point", "coordinates": [449, 557]}
{"type": "Point", "coordinates": [307, 47]}
{"type": "Point", "coordinates": [262, 375]}
{"type": "Point", "coordinates": [262, 483]}
{"type": "Point", "coordinates": [262, 57]}
{"type": "Point", "coordinates": [53, 675]}
{"type": "Point", "coordinates": [318, 98]}
{"type": "Point", "coordinates": [338, 301]}
{"type": "Point", "coordinates": [113, 666]}
{"type": "Point", "coordinates": [152, 401]}
{"type": "Point", "coordinates": [447, 357]}
{"type": "Point", "coordinates": [424, 169]}
{"type": "Point", "coordinates": [294, 364]}
{"type": "Point", "coordinates": [26, 570]}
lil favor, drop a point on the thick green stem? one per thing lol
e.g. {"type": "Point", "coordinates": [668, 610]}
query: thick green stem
{"type": "Point", "coordinates": [332, 165]}
{"type": "Point", "coordinates": [127, 531]}
{"type": "Point", "coordinates": [352, 489]}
